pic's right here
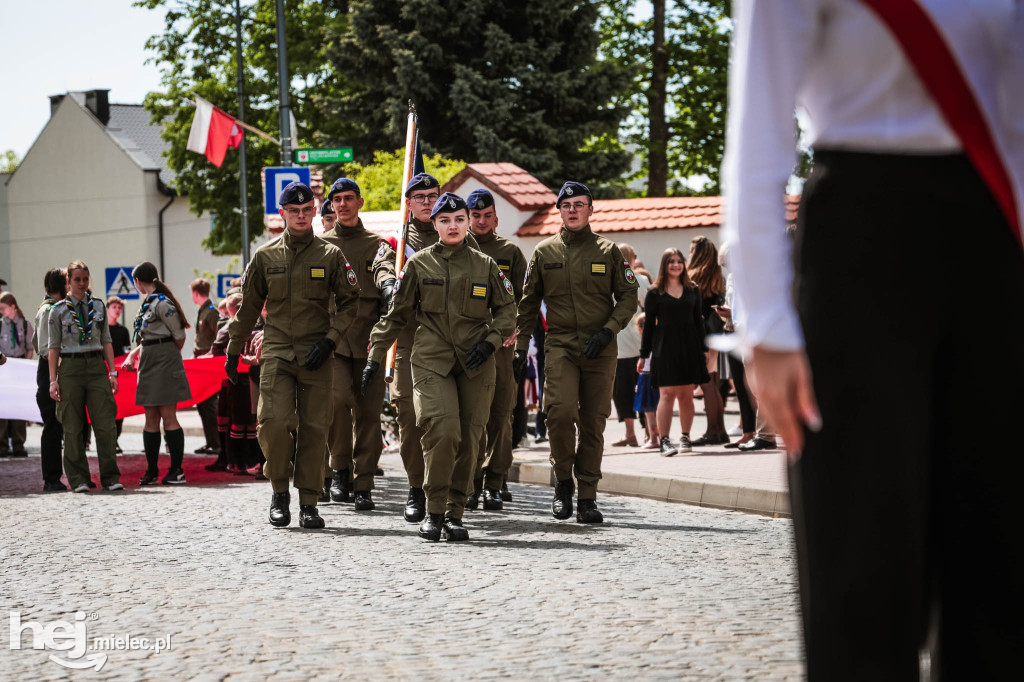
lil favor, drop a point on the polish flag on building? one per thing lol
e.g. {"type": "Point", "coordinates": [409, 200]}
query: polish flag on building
{"type": "Point", "coordinates": [213, 132]}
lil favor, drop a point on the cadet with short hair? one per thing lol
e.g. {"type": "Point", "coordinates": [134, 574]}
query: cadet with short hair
{"type": "Point", "coordinates": [296, 275]}
{"type": "Point", "coordinates": [82, 375]}
{"type": "Point", "coordinates": [494, 456]}
{"type": "Point", "coordinates": [354, 441]}
{"type": "Point", "coordinates": [465, 308]}
{"type": "Point", "coordinates": [590, 293]}
{"type": "Point", "coordinates": [328, 216]}
{"type": "Point", "coordinates": [422, 191]}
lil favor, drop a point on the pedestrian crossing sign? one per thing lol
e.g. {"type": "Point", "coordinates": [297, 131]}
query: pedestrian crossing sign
{"type": "Point", "coordinates": [119, 283]}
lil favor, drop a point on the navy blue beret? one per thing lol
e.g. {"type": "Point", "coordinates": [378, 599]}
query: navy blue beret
{"type": "Point", "coordinates": [295, 193]}
{"type": "Point", "coordinates": [326, 208]}
{"type": "Point", "coordinates": [479, 199]}
{"type": "Point", "coordinates": [421, 181]}
{"type": "Point", "coordinates": [573, 189]}
{"type": "Point", "coordinates": [344, 185]}
{"type": "Point", "coordinates": [448, 203]}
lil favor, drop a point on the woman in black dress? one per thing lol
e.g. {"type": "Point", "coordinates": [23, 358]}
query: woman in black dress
{"type": "Point", "coordinates": [706, 273]}
{"type": "Point", "coordinates": [674, 336]}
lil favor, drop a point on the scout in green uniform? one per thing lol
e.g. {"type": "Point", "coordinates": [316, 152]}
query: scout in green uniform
{"type": "Point", "coordinates": [465, 309]}
{"type": "Point", "coordinates": [590, 293]}
{"type": "Point", "coordinates": [422, 192]}
{"type": "Point", "coordinates": [82, 375]}
{"type": "Point", "coordinates": [296, 275]}
{"type": "Point", "coordinates": [494, 456]}
{"type": "Point", "coordinates": [207, 320]}
{"type": "Point", "coordinates": [56, 284]}
{"type": "Point", "coordinates": [354, 441]}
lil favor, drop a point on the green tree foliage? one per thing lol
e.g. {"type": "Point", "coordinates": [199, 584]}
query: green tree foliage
{"type": "Point", "coordinates": [9, 161]}
{"type": "Point", "coordinates": [381, 181]}
{"type": "Point", "coordinates": [196, 54]}
{"type": "Point", "coordinates": [492, 81]}
{"type": "Point", "coordinates": [696, 47]}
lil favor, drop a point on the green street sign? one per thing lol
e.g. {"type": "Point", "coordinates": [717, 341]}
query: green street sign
{"type": "Point", "coordinates": [340, 155]}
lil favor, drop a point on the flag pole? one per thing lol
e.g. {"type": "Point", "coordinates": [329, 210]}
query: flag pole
{"type": "Point", "coordinates": [411, 134]}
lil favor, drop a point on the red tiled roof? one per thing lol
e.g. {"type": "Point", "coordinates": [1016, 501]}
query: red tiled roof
{"type": "Point", "coordinates": [653, 213]}
{"type": "Point", "coordinates": [521, 189]}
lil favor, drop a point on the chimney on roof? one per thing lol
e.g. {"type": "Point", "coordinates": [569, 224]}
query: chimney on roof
{"type": "Point", "coordinates": [55, 101]}
{"type": "Point", "coordinates": [96, 101]}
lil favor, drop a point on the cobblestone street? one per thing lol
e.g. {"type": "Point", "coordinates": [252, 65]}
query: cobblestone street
{"type": "Point", "coordinates": [661, 591]}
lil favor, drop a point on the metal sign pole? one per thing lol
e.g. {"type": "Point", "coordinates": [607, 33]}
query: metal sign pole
{"type": "Point", "coordinates": [242, 173]}
{"type": "Point", "coordinates": [282, 84]}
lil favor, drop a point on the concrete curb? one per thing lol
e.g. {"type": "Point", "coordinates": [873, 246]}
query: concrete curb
{"type": "Point", "coordinates": [669, 489]}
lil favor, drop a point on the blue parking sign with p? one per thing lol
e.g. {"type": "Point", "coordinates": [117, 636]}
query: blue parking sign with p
{"type": "Point", "coordinates": [275, 179]}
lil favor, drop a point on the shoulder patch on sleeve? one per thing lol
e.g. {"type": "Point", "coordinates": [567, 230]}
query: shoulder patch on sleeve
{"type": "Point", "coordinates": [507, 283]}
{"type": "Point", "coordinates": [630, 277]}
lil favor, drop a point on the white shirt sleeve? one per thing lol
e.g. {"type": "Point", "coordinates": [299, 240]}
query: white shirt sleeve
{"type": "Point", "coordinates": [773, 40]}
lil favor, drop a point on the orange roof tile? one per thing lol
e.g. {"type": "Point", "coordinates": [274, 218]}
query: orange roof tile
{"type": "Point", "coordinates": [652, 213]}
{"type": "Point", "coordinates": [518, 187]}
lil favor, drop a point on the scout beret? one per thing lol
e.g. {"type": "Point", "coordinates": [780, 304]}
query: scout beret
{"type": "Point", "coordinates": [448, 203]}
{"type": "Point", "coordinates": [421, 181]}
{"type": "Point", "coordinates": [573, 189]}
{"type": "Point", "coordinates": [326, 208]}
{"type": "Point", "coordinates": [344, 185]}
{"type": "Point", "coordinates": [480, 199]}
{"type": "Point", "coordinates": [295, 193]}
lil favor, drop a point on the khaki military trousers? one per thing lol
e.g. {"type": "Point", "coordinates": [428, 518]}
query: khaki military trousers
{"type": "Point", "coordinates": [577, 394]}
{"type": "Point", "coordinates": [295, 400]}
{"type": "Point", "coordinates": [354, 442]}
{"type": "Point", "coordinates": [408, 426]}
{"type": "Point", "coordinates": [494, 456]}
{"type": "Point", "coordinates": [452, 410]}
{"type": "Point", "coordinates": [84, 384]}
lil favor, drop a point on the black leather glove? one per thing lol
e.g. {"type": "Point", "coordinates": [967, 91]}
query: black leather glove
{"type": "Point", "coordinates": [387, 292]}
{"type": "Point", "coordinates": [318, 353]}
{"type": "Point", "coordinates": [369, 372]}
{"type": "Point", "coordinates": [519, 365]}
{"type": "Point", "coordinates": [597, 343]}
{"type": "Point", "coordinates": [231, 367]}
{"type": "Point", "coordinates": [478, 354]}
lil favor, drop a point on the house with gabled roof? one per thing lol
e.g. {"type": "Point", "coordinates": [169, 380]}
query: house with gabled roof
{"type": "Point", "coordinates": [94, 186]}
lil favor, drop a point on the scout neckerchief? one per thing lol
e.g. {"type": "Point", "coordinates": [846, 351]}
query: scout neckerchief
{"type": "Point", "coordinates": [14, 333]}
{"type": "Point", "coordinates": [84, 325]}
{"type": "Point", "coordinates": [142, 311]}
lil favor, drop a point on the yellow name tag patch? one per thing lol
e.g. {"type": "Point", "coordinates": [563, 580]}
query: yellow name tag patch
{"type": "Point", "coordinates": [598, 268]}
{"type": "Point", "coordinates": [478, 291]}
{"type": "Point", "coordinates": [317, 273]}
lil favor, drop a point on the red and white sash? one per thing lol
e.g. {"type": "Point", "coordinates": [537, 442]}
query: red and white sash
{"type": "Point", "coordinates": [978, 86]}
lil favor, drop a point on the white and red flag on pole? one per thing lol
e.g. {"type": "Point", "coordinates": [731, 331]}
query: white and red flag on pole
{"type": "Point", "coordinates": [213, 132]}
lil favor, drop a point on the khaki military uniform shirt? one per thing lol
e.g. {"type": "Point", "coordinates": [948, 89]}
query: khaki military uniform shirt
{"type": "Point", "coordinates": [297, 277]}
{"type": "Point", "coordinates": [360, 246]}
{"type": "Point", "coordinates": [418, 236]}
{"type": "Point", "coordinates": [206, 328]}
{"type": "Point", "coordinates": [587, 285]}
{"type": "Point", "coordinates": [159, 319]}
{"type": "Point", "coordinates": [63, 332]}
{"type": "Point", "coordinates": [508, 256]}
{"type": "Point", "coordinates": [40, 340]}
{"type": "Point", "coordinates": [459, 298]}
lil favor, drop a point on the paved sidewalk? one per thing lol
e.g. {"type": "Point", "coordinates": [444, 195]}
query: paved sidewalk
{"type": "Point", "coordinates": [708, 477]}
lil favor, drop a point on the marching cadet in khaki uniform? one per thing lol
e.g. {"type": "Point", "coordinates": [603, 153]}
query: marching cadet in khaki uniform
{"type": "Point", "coordinates": [465, 309]}
{"type": "Point", "coordinates": [494, 456]}
{"type": "Point", "coordinates": [82, 375]}
{"type": "Point", "coordinates": [591, 294]}
{"type": "Point", "coordinates": [353, 464]}
{"type": "Point", "coordinates": [296, 275]}
{"type": "Point", "coordinates": [422, 192]}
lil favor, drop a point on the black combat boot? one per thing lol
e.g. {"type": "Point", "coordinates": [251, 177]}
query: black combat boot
{"type": "Point", "coordinates": [506, 496]}
{"type": "Point", "coordinates": [473, 501]}
{"type": "Point", "coordinates": [341, 486]}
{"type": "Point", "coordinates": [454, 531]}
{"type": "Point", "coordinates": [561, 505]}
{"type": "Point", "coordinates": [492, 500]}
{"type": "Point", "coordinates": [587, 512]}
{"type": "Point", "coordinates": [416, 506]}
{"type": "Point", "coordinates": [280, 514]}
{"type": "Point", "coordinates": [364, 502]}
{"type": "Point", "coordinates": [430, 529]}
{"type": "Point", "coordinates": [309, 517]}
{"type": "Point", "coordinates": [325, 492]}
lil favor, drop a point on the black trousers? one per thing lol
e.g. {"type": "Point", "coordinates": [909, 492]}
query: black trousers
{"type": "Point", "coordinates": [208, 416]}
{"type": "Point", "coordinates": [624, 389]}
{"type": "Point", "coordinates": [51, 442]}
{"type": "Point", "coordinates": [748, 415]}
{"type": "Point", "coordinates": [906, 504]}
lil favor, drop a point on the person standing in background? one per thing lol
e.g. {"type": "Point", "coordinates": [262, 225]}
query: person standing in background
{"type": "Point", "coordinates": [16, 341]}
{"type": "Point", "coordinates": [705, 271]}
{"type": "Point", "coordinates": [207, 324]}
{"type": "Point", "coordinates": [121, 341]}
{"type": "Point", "coordinates": [55, 284]}
{"type": "Point", "coordinates": [628, 340]}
